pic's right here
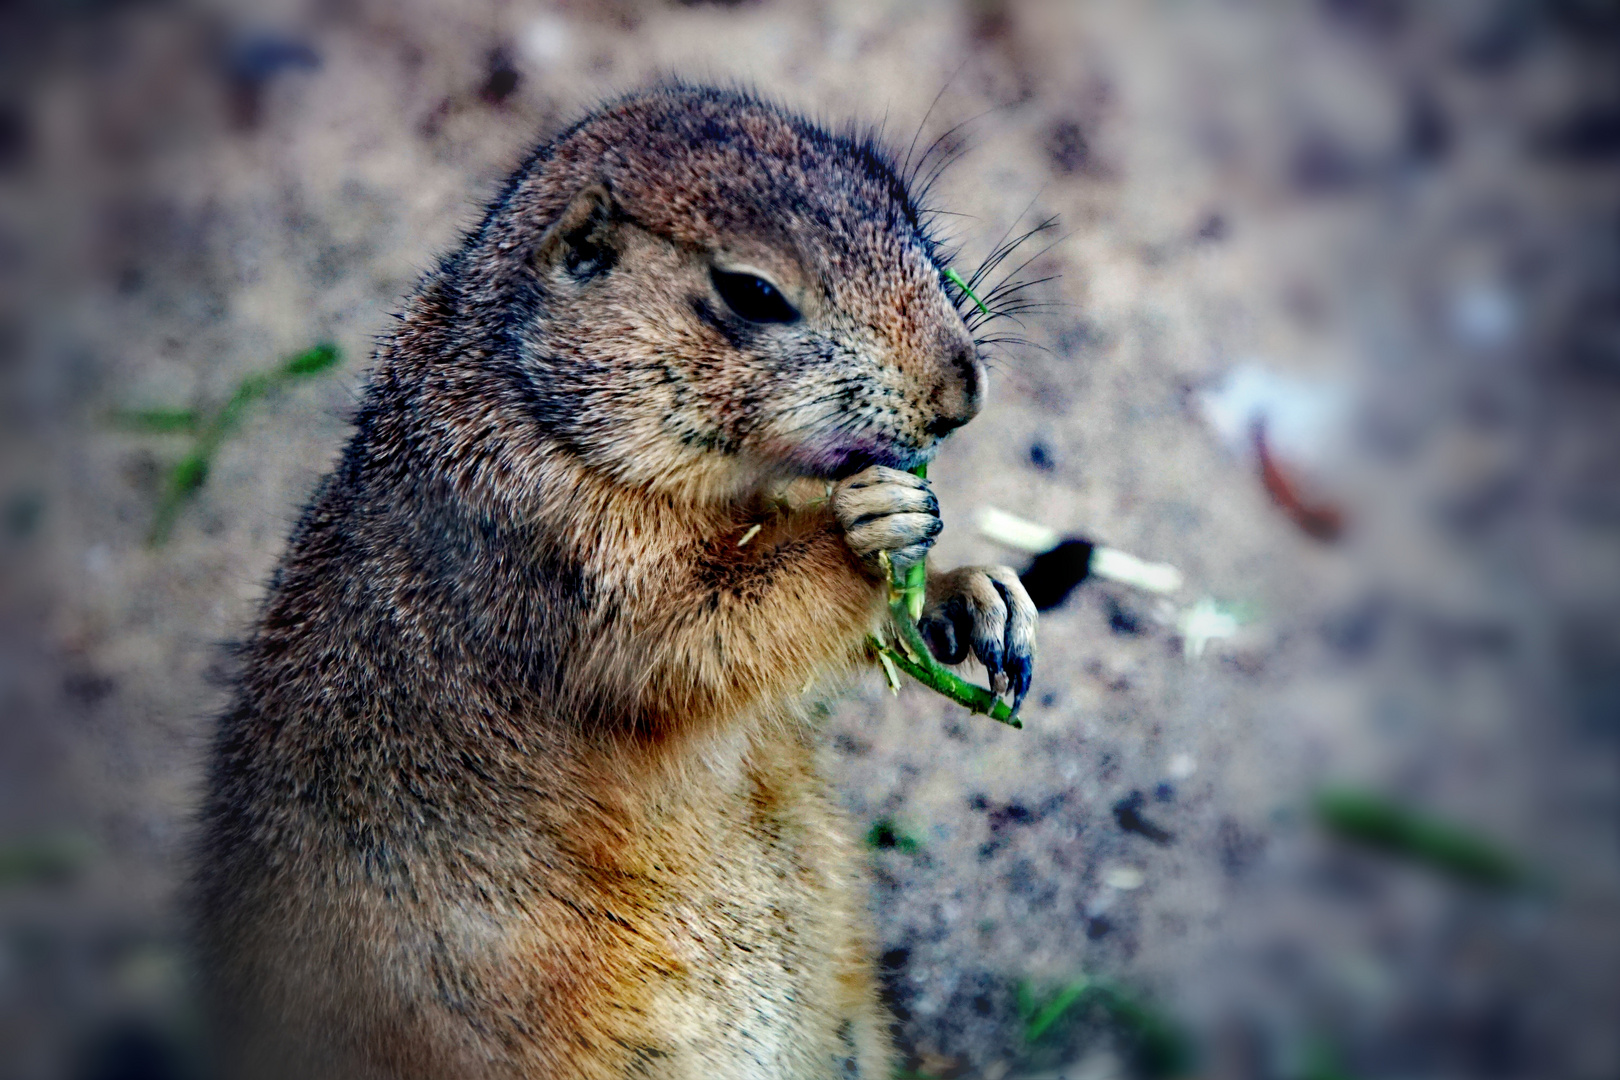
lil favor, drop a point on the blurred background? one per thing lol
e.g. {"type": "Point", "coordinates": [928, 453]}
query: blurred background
{"type": "Point", "coordinates": [1334, 331]}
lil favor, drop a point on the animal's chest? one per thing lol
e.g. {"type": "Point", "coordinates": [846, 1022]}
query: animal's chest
{"type": "Point", "coordinates": [755, 962]}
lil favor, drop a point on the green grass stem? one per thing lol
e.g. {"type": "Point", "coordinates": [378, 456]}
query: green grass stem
{"type": "Point", "coordinates": [157, 421]}
{"type": "Point", "coordinates": [1377, 822]}
{"type": "Point", "coordinates": [906, 589]}
{"type": "Point", "coordinates": [956, 279]}
{"type": "Point", "coordinates": [190, 473]}
{"type": "Point", "coordinates": [1161, 1047]}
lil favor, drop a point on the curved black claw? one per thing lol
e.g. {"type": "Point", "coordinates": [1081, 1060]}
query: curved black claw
{"type": "Point", "coordinates": [1018, 655]}
{"type": "Point", "coordinates": [983, 610]}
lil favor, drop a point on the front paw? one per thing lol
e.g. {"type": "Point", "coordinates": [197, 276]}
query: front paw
{"type": "Point", "coordinates": [986, 610]}
{"type": "Point", "coordinates": [886, 511]}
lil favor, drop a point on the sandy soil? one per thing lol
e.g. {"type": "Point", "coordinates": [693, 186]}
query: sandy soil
{"type": "Point", "coordinates": [1411, 208]}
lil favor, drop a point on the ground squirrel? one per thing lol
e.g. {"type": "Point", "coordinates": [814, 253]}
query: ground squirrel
{"type": "Point", "coordinates": [518, 779]}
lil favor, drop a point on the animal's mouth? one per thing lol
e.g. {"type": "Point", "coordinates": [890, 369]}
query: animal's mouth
{"type": "Point", "coordinates": [850, 456]}
{"type": "Point", "coordinates": [852, 463]}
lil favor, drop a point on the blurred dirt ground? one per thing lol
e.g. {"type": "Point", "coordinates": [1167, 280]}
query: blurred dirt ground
{"type": "Point", "coordinates": [1412, 208]}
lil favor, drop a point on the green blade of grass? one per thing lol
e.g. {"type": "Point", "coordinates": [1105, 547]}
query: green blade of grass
{"type": "Point", "coordinates": [1378, 823]}
{"type": "Point", "coordinates": [157, 421]}
{"type": "Point", "coordinates": [248, 391]}
{"type": "Point", "coordinates": [1160, 1046]}
{"type": "Point", "coordinates": [49, 858]}
{"type": "Point", "coordinates": [313, 361]}
{"type": "Point", "coordinates": [913, 584]}
{"type": "Point", "coordinates": [1053, 1010]}
{"type": "Point", "coordinates": [956, 279]}
{"type": "Point", "coordinates": [906, 591]}
{"type": "Point", "coordinates": [931, 674]}
{"type": "Point", "coordinates": [885, 835]}
{"type": "Point", "coordinates": [191, 472]}
{"type": "Point", "coordinates": [185, 480]}
{"type": "Point", "coordinates": [1322, 1063]}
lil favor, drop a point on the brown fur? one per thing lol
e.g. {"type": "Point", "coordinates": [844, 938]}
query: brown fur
{"type": "Point", "coordinates": [518, 780]}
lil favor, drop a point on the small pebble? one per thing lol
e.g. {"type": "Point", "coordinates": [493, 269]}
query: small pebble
{"type": "Point", "coordinates": [1123, 878]}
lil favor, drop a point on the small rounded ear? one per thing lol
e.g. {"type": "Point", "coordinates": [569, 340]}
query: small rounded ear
{"type": "Point", "coordinates": [582, 239]}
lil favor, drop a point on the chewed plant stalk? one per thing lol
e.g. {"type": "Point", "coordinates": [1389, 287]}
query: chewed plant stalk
{"type": "Point", "coordinates": [906, 588]}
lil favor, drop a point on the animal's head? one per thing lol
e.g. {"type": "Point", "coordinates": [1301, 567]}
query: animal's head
{"type": "Point", "coordinates": [715, 291]}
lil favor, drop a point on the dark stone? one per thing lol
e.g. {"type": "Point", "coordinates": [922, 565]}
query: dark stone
{"type": "Point", "coordinates": [86, 687]}
{"type": "Point", "coordinates": [1054, 574]}
{"type": "Point", "coordinates": [1378, 19]}
{"type": "Point", "coordinates": [1011, 814]}
{"type": "Point", "coordinates": [1122, 620]}
{"type": "Point", "coordinates": [501, 80]}
{"type": "Point", "coordinates": [851, 746]}
{"type": "Point", "coordinates": [1239, 848]}
{"type": "Point", "coordinates": [1127, 812]}
{"type": "Point", "coordinates": [249, 65]}
{"type": "Point", "coordinates": [1066, 147]}
{"type": "Point", "coordinates": [16, 137]}
{"type": "Point", "coordinates": [134, 1050]}
{"type": "Point", "coordinates": [1428, 130]}
{"type": "Point", "coordinates": [1588, 136]}
{"type": "Point", "coordinates": [1322, 166]}
{"type": "Point", "coordinates": [1355, 632]}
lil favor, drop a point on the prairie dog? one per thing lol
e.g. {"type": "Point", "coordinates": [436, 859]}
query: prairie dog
{"type": "Point", "coordinates": [518, 778]}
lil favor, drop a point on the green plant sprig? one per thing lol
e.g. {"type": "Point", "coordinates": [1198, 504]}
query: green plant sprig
{"type": "Point", "coordinates": [190, 473]}
{"type": "Point", "coordinates": [1379, 823]}
{"type": "Point", "coordinates": [956, 279]}
{"type": "Point", "coordinates": [906, 588]}
{"type": "Point", "coordinates": [1162, 1047]}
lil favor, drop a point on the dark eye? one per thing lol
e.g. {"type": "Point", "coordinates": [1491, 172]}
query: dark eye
{"type": "Point", "coordinates": [753, 298]}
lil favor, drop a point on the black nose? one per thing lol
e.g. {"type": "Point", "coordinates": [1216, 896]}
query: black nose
{"type": "Point", "coordinates": [960, 392]}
